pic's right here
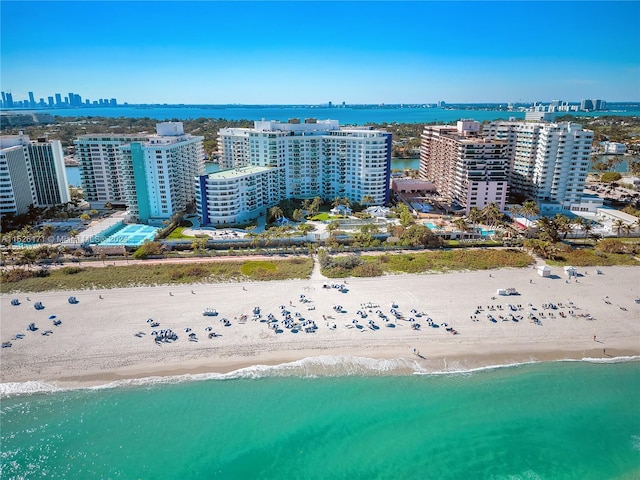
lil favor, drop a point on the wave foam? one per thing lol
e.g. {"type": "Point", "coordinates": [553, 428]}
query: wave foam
{"type": "Point", "coordinates": [310, 367]}
{"type": "Point", "coordinates": [26, 388]}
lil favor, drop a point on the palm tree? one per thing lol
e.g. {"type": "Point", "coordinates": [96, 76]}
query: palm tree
{"type": "Point", "coordinates": [367, 200]}
{"type": "Point", "coordinates": [297, 215]}
{"type": "Point", "coordinates": [492, 214]}
{"type": "Point", "coordinates": [530, 208]}
{"type": "Point", "coordinates": [306, 205]}
{"type": "Point", "coordinates": [547, 229]}
{"type": "Point", "coordinates": [305, 228]}
{"type": "Point", "coordinates": [47, 231]}
{"type": "Point", "coordinates": [27, 255]}
{"type": "Point", "coordinates": [276, 212]}
{"type": "Point", "coordinates": [562, 224]}
{"type": "Point", "coordinates": [587, 228]}
{"type": "Point", "coordinates": [461, 224]}
{"type": "Point", "coordinates": [332, 227]}
{"type": "Point", "coordinates": [618, 225]}
{"type": "Point", "coordinates": [315, 206]}
{"type": "Point", "coordinates": [475, 215]}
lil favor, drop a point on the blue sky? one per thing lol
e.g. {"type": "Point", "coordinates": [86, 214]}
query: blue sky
{"type": "Point", "coordinates": [314, 52]}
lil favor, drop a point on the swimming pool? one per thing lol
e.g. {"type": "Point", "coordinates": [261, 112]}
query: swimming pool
{"type": "Point", "coordinates": [132, 235]}
{"type": "Point", "coordinates": [432, 226]}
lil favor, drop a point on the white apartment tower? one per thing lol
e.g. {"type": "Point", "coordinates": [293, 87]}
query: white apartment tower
{"type": "Point", "coordinates": [31, 173]}
{"type": "Point", "coordinates": [153, 175]}
{"type": "Point", "coordinates": [467, 170]}
{"type": "Point", "coordinates": [547, 161]}
{"type": "Point", "coordinates": [99, 164]}
{"type": "Point", "coordinates": [158, 173]}
{"type": "Point", "coordinates": [275, 161]}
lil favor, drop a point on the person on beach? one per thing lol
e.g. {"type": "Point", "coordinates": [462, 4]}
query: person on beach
{"type": "Point", "coordinates": [594, 338]}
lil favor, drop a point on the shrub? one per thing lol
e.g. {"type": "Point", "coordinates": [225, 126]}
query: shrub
{"type": "Point", "coordinates": [176, 275]}
{"type": "Point", "coordinates": [612, 245]}
{"type": "Point", "coordinates": [71, 270]}
{"type": "Point", "coordinates": [609, 177]}
{"type": "Point", "coordinates": [197, 272]}
{"type": "Point", "coordinates": [16, 274]}
{"type": "Point", "coordinates": [367, 270]}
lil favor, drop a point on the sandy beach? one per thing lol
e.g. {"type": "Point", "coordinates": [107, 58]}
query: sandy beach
{"type": "Point", "coordinates": [106, 336]}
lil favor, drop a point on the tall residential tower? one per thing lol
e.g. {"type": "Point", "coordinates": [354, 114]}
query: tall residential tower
{"type": "Point", "coordinates": [275, 161]}
{"type": "Point", "coordinates": [467, 169]}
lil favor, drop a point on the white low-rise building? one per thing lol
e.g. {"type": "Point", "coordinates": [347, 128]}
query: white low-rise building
{"type": "Point", "coordinates": [614, 148]}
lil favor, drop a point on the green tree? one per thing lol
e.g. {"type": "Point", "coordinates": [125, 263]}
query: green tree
{"type": "Point", "coordinates": [314, 208]}
{"type": "Point", "coordinates": [461, 224]}
{"type": "Point", "coordinates": [530, 209]}
{"type": "Point", "coordinates": [419, 236]}
{"type": "Point", "coordinates": [305, 228]}
{"type": "Point", "coordinates": [332, 228]}
{"type": "Point", "coordinates": [618, 226]}
{"type": "Point", "coordinates": [367, 200]}
{"type": "Point", "coordinates": [47, 231]}
{"type": "Point", "coordinates": [298, 215]}
{"type": "Point", "coordinates": [276, 213]}
{"type": "Point", "coordinates": [147, 249]}
{"type": "Point", "coordinates": [562, 224]}
{"type": "Point", "coordinates": [491, 214]}
{"type": "Point", "coordinates": [199, 245]}
{"type": "Point", "coordinates": [610, 177]}
{"type": "Point", "coordinates": [406, 218]}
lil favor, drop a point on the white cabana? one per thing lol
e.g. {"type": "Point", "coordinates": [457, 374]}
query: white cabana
{"type": "Point", "coordinates": [341, 210]}
{"type": "Point", "coordinates": [544, 271]}
{"type": "Point", "coordinates": [377, 211]}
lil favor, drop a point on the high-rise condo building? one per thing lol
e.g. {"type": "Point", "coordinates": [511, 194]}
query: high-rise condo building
{"type": "Point", "coordinates": [467, 169]}
{"type": "Point", "coordinates": [153, 175]}
{"type": "Point", "coordinates": [31, 172]}
{"type": "Point", "coordinates": [159, 173]}
{"type": "Point", "coordinates": [100, 170]}
{"type": "Point", "coordinates": [548, 162]}
{"type": "Point", "coordinates": [274, 161]}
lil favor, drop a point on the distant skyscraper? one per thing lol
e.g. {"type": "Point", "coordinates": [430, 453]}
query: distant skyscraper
{"type": "Point", "coordinates": [9, 100]}
{"type": "Point", "coordinates": [32, 100]}
{"type": "Point", "coordinates": [58, 100]}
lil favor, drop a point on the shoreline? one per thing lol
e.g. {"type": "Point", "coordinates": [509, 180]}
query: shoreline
{"type": "Point", "coordinates": [96, 343]}
{"type": "Point", "coordinates": [257, 371]}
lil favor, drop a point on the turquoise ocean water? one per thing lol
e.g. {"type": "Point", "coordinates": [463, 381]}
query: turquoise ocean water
{"type": "Point", "coordinates": [562, 420]}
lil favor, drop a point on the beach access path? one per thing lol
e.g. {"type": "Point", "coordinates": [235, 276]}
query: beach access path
{"type": "Point", "coordinates": [106, 336]}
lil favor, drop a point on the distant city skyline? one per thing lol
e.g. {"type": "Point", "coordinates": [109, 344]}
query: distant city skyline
{"type": "Point", "coordinates": [318, 52]}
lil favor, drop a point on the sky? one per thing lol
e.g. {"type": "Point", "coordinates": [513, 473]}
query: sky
{"type": "Point", "coordinates": [304, 52]}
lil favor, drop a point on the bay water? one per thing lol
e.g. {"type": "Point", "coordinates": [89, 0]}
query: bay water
{"type": "Point", "coordinates": [349, 115]}
{"type": "Point", "coordinates": [560, 420]}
